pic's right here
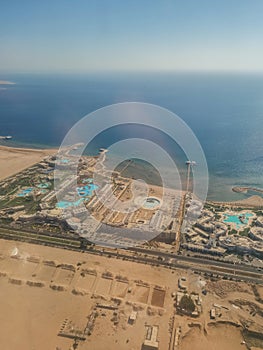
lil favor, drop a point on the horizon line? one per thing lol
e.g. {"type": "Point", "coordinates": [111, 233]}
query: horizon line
{"type": "Point", "coordinates": [129, 70]}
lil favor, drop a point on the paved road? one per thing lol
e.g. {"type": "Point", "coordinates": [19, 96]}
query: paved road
{"type": "Point", "coordinates": [145, 256]}
{"type": "Point", "coordinates": [198, 260]}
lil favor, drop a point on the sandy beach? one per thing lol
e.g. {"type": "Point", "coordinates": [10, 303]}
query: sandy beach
{"type": "Point", "coordinates": [13, 160]}
{"type": "Point", "coordinates": [251, 202]}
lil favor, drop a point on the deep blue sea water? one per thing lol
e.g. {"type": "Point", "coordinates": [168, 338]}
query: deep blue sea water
{"type": "Point", "coordinates": [225, 111]}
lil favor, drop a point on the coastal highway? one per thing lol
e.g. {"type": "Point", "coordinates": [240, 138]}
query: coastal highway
{"type": "Point", "coordinates": [141, 255]}
{"type": "Point", "coordinates": [224, 269]}
{"type": "Point", "coordinates": [195, 260]}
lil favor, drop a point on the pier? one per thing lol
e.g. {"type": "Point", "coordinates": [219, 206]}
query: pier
{"type": "Point", "coordinates": [5, 137]}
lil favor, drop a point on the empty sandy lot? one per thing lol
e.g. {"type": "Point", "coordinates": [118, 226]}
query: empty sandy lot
{"type": "Point", "coordinates": [34, 306]}
{"type": "Point", "coordinates": [217, 338]}
{"type": "Point", "coordinates": [36, 312]}
{"type": "Point", "coordinates": [13, 160]}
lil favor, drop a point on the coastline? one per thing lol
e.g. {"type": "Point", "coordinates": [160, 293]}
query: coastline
{"type": "Point", "coordinates": [250, 202]}
{"type": "Point", "coordinates": [14, 159]}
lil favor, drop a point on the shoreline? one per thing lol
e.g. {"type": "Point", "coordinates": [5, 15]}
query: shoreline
{"type": "Point", "coordinates": [251, 202]}
{"type": "Point", "coordinates": [26, 149]}
{"type": "Point", "coordinates": [14, 159]}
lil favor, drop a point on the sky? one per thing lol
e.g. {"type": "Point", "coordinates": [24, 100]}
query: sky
{"type": "Point", "coordinates": [132, 35]}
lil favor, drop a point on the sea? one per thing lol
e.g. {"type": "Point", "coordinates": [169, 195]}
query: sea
{"type": "Point", "coordinates": [224, 110]}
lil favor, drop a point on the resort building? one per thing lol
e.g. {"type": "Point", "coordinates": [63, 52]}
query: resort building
{"type": "Point", "coordinates": [241, 245]}
{"type": "Point", "coordinates": [256, 233]}
{"type": "Point", "coordinates": [259, 221]}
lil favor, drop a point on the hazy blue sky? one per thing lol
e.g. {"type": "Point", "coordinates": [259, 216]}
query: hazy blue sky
{"type": "Point", "coordinates": [86, 35]}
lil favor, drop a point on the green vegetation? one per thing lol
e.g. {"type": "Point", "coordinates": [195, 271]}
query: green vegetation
{"type": "Point", "coordinates": [239, 209]}
{"type": "Point", "coordinates": [46, 227]}
{"type": "Point", "coordinates": [25, 182]}
{"type": "Point", "coordinates": [232, 232]}
{"type": "Point", "coordinates": [10, 189]}
{"type": "Point", "coordinates": [33, 208]}
{"type": "Point", "coordinates": [3, 203]}
{"type": "Point", "coordinates": [31, 237]}
{"type": "Point", "coordinates": [19, 201]}
{"type": "Point", "coordinates": [253, 223]}
{"type": "Point", "coordinates": [51, 187]}
{"type": "Point", "coordinates": [6, 220]}
{"type": "Point", "coordinates": [245, 232]}
{"type": "Point", "coordinates": [187, 304]}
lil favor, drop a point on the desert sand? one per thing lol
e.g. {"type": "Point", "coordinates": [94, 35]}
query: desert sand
{"type": "Point", "coordinates": [13, 160]}
{"type": "Point", "coordinates": [42, 287]}
{"type": "Point", "coordinates": [217, 338]}
{"type": "Point", "coordinates": [36, 312]}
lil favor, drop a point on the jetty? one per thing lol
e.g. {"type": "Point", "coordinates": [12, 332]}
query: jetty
{"type": "Point", "coordinates": [8, 137]}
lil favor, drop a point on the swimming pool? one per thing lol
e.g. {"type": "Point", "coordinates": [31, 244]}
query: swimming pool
{"type": "Point", "coordinates": [87, 190]}
{"type": "Point", "coordinates": [235, 219]}
{"type": "Point", "coordinates": [151, 203]}
{"type": "Point", "coordinates": [64, 161]}
{"type": "Point", "coordinates": [25, 192]}
{"type": "Point", "coordinates": [43, 185]}
{"type": "Point", "coordinates": [66, 204]}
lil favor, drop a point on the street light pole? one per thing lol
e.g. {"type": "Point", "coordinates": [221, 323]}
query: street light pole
{"type": "Point", "coordinates": [189, 163]}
